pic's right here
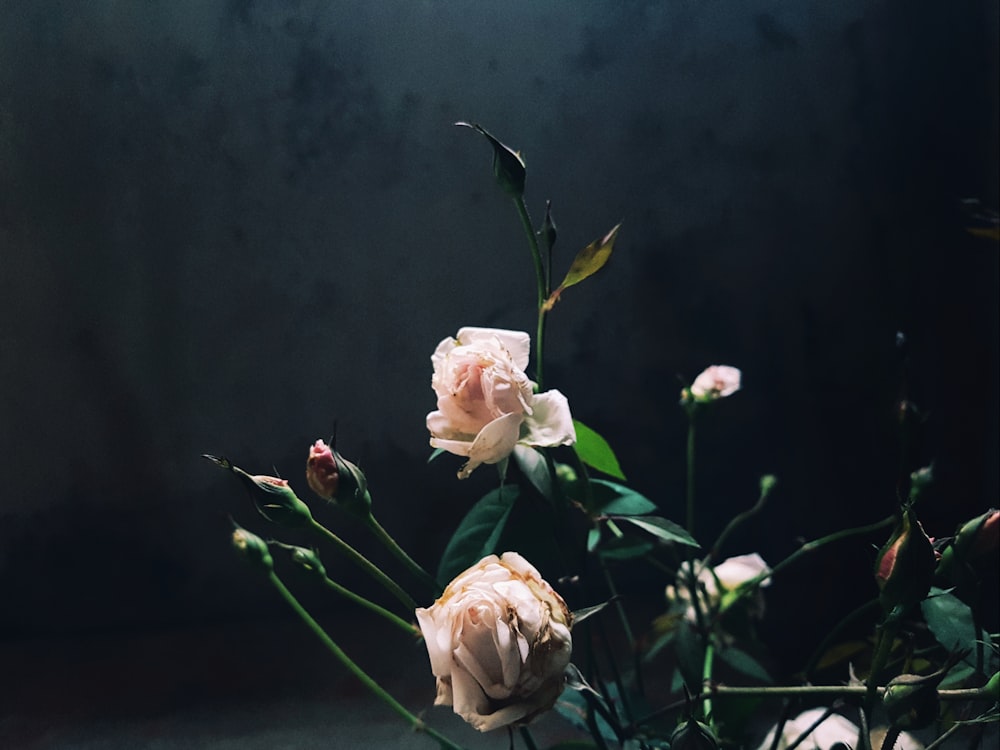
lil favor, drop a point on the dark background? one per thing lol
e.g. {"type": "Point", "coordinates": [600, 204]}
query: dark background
{"type": "Point", "coordinates": [225, 225]}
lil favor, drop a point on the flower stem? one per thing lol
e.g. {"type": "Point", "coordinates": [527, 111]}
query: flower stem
{"type": "Point", "coordinates": [815, 545]}
{"type": "Point", "coordinates": [414, 567]}
{"type": "Point", "coordinates": [416, 722]}
{"type": "Point", "coordinates": [690, 478]}
{"type": "Point", "coordinates": [706, 678]}
{"type": "Point", "coordinates": [366, 564]}
{"type": "Point", "coordinates": [541, 284]}
{"type": "Point", "coordinates": [372, 607]}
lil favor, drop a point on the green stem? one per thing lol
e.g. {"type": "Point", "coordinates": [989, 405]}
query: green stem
{"type": "Point", "coordinates": [373, 607]}
{"type": "Point", "coordinates": [541, 284]}
{"type": "Point", "coordinates": [883, 647]}
{"type": "Point", "coordinates": [416, 722]}
{"type": "Point", "coordinates": [529, 741]}
{"type": "Point", "coordinates": [890, 738]}
{"type": "Point", "coordinates": [366, 564]}
{"type": "Point", "coordinates": [690, 479]}
{"type": "Point", "coordinates": [815, 545]}
{"type": "Point", "coordinates": [383, 536]}
{"type": "Point", "coordinates": [821, 649]}
{"type": "Point", "coordinates": [734, 523]}
{"type": "Point", "coordinates": [706, 678]}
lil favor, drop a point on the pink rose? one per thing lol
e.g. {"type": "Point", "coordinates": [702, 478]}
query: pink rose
{"type": "Point", "coordinates": [499, 643]}
{"type": "Point", "coordinates": [486, 404]}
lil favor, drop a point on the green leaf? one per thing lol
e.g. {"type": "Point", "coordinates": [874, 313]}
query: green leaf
{"type": "Point", "coordinates": [435, 453]}
{"type": "Point", "coordinates": [478, 533]}
{"type": "Point", "coordinates": [661, 528]}
{"type": "Point", "coordinates": [594, 451]}
{"type": "Point", "coordinates": [743, 663]}
{"type": "Point", "coordinates": [625, 549]}
{"type": "Point", "coordinates": [613, 499]}
{"type": "Point", "coordinates": [950, 620]}
{"type": "Point", "coordinates": [535, 468]}
{"type": "Point", "coordinates": [587, 262]}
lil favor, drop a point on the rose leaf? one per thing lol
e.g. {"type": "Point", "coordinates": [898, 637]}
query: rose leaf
{"type": "Point", "coordinates": [594, 451]}
{"type": "Point", "coordinates": [478, 533]}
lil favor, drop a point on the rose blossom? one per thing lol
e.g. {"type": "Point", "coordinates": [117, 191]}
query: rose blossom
{"type": "Point", "coordinates": [730, 575]}
{"type": "Point", "coordinates": [486, 404]}
{"type": "Point", "coordinates": [321, 470]}
{"type": "Point", "coordinates": [832, 731]}
{"type": "Point", "coordinates": [498, 641]}
{"type": "Point", "coordinates": [717, 381]}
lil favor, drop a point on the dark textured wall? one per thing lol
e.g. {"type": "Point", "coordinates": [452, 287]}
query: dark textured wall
{"type": "Point", "coordinates": [225, 225]}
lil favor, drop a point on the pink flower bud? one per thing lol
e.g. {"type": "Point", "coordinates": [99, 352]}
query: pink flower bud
{"type": "Point", "coordinates": [321, 470]}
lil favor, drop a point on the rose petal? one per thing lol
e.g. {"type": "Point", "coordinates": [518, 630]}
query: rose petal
{"type": "Point", "coordinates": [551, 422]}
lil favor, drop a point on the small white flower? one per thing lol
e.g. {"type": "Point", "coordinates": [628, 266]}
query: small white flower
{"type": "Point", "coordinates": [717, 381]}
{"type": "Point", "coordinates": [832, 730]}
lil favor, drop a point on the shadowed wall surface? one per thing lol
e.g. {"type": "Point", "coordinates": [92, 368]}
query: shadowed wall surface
{"type": "Point", "coordinates": [226, 226]}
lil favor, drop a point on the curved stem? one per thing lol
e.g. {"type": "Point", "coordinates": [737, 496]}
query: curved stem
{"type": "Point", "coordinates": [416, 722]}
{"type": "Point", "coordinates": [821, 649]}
{"type": "Point", "coordinates": [399, 622]}
{"type": "Point", "coordinates": [541, 284]}
{"type": "Point", "coordinates": [414, 567]}
{"type": "Point", "coordinates": [366, 564]}
{"type": "Point", "coordinates": [815, 545]}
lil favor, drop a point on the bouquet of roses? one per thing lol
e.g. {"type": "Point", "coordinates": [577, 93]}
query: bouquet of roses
{"type": "Point", "coordinates": [504, 646]}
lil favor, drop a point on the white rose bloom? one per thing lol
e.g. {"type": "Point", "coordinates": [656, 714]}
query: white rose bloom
{"type": "Point", "coordinates": [832, 730]}
{"type": "Point", "coordinates": [499, 642]}
{"type": "Point", "coordinates": [486, 404]}
{"type": "Point", "coordinates": [717, 381]}
{"type": "Point", "coordinates": [730, 574]}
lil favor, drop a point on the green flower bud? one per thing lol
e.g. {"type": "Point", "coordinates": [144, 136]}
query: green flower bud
{"type": "Point", "coordinates": [912, 701]}
{"type": "Point", "coordinates": [992, 687]}
{"type": "Point", "coordinates": [353, 494]}
{"type": "Point", "coordinates": [980, 536]}
{"type": "Point", "coordinates": [905, 565]}
{"type": "Point", "coordinates": [920, 480]}
{"type": "Point", "coordinates": [252, 548]}
{"type": "Point", "coordinates": [767, 484]}
{"type": "Point", "coordinates": [508, 166]}
{"type": "Point", "coordinates": [272, 496]}
{"type": "Point", "coordinates": [693, 735]}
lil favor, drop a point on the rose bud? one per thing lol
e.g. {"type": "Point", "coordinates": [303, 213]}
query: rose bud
{"type": "Point", "coordinates": [252, 548]}
{"type": "Point", "coordinates": [911, 701]}
{"type": "Point", "coordinates": [693, 735]}
{"type": "Point", "coordinates": [905, 565]}
{"type": "Point", "coordinates": [321, 470]}
{"type": "Point", "coordinates": [273, 497]}
{"type": "Point", "coordinates": [334, 478]}
{"type": "Point", "coordinates": [499, 643]}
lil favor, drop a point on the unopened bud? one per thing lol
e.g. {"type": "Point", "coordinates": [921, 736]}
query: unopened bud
{"type": "Point", "coordinates": [321, 470]}
{"type": "Point", "coordinates": [508, 166]}
{"type": "Point", "coordinates": [992, 687]}
{"type": "Point", "coordinates": [693, 735]}
{"type": "Point", "coordinates": [980, 536]}
{"type": "Point", "coordinates": [277, 501]}
{"type": "Point", "coordinates": [353, 494]}
{"type": "Point", "coordinates": [272, 496]}
{"type": "Point", "coordinates": [905, 565]}
{"type": "Point", "coordinates": [252, 548]}
{"type": "Point", "coordinates": [308, 560]}
{"type": "Point", "coordinates": [911, 701]}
